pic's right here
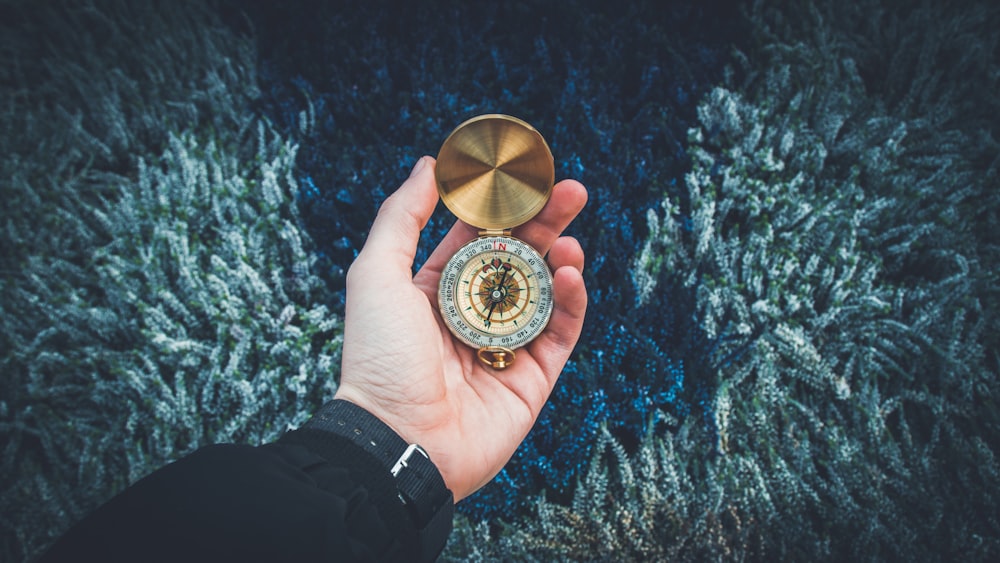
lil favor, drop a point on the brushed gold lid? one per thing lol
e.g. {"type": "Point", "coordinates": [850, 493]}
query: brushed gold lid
{"type": "Point", "coordinates": [495, 172]}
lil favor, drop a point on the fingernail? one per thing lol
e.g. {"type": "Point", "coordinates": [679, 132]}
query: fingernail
{"type": "Point", "coordinates": [418, 167]}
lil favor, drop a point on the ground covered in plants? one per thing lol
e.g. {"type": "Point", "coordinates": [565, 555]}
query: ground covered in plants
{"type": "Point", "coordinates": [791, 346]}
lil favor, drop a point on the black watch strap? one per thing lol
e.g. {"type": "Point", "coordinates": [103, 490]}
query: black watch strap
{"type": "Point", "coordinates": [422, 490]}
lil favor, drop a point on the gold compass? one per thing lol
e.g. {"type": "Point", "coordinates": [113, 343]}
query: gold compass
{"type": "Point", "coordinates": [495, 172]}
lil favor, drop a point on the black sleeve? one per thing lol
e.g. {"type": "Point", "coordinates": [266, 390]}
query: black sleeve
{"type": "Point", "coordinates": [312, 496]}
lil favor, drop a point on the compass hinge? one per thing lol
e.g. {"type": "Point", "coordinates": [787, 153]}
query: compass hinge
{"type": "Point", "coordinates": [494, 233]}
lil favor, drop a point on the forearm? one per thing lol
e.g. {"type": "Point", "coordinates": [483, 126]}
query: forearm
{"type": "Point", "coordinates": [313, 495]}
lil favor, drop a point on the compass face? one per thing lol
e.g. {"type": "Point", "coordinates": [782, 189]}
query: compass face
{"type": "Point", "coordinates": [496, 291]}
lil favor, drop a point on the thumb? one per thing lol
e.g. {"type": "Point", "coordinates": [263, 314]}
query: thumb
{"type": "Point", "coordinates": [392, 240]}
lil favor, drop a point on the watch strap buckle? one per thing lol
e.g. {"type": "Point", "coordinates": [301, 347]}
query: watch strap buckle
{"type": "Point", "coordinates": [404, 460]}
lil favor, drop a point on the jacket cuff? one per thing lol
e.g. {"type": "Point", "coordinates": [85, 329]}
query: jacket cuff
{"type": "Point", "coordinates": [341, 430]}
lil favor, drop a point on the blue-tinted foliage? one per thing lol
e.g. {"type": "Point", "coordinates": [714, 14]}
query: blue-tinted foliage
{"type": "Point", "coordinates": [835, 237]}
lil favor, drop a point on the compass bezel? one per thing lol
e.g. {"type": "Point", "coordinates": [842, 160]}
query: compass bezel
{"type": "Point", "coordinates": [449, 290]}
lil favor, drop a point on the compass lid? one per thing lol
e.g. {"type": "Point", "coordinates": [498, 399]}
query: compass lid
{"type": "Point", "coordinates": [495, 172]}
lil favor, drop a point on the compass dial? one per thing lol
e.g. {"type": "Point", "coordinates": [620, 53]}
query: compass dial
{"type": "Point", "coordinates": [496, 291]}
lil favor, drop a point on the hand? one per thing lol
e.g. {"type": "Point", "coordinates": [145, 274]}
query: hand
{"type": "Point", "coordinates": [402, 364]}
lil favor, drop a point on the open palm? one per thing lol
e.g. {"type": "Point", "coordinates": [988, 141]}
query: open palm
{"type": "Point", "coordinates": [401, 363]}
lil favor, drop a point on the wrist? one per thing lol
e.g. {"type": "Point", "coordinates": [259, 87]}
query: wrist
{"type": "Point", "coordinates": [364, 401]}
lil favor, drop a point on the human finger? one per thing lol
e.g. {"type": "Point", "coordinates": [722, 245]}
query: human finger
{"type": "Point", "coordinates": [566, 251]}
{"type": "Point", "coordinates": [392, 240]}
{"type": "Point", "coordinates": [567, 200]}
{"type": "Point", "coordinates": [553, 347]}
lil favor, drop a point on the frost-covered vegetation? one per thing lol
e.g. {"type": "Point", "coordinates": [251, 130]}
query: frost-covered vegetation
{"type": "Point", "coordinates": [157, 291]}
